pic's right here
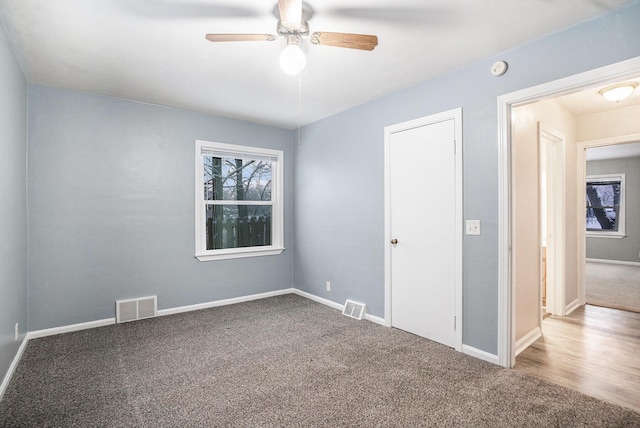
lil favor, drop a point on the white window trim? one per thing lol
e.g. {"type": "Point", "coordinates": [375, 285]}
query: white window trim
{"type": "Point", "coordinates": [277, 213]}
{"type": "Point", "coordinates": [620, 233]}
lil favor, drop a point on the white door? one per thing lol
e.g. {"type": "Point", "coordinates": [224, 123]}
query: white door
{"type": "Point", "coordinates": [422, 209]}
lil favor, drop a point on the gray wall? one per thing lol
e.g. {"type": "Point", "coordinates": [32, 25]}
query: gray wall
{"type": "Point", "coordinates": [627, 248]}
{"type": "Point", "coordinates": [111, 208]}
{"type": "Point", "coordinates": [339, 229]}
{"type": "Point", "coordinates": [13, 205]}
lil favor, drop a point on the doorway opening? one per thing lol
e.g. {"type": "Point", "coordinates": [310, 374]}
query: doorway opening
{"type": "Point", "coordinates": [611, 274]}
{"type": "Point", "coordinates": [508, 251]}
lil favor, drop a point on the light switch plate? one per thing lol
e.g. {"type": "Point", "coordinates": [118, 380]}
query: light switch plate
{"type": "Point", "coordinates": [472, 227]}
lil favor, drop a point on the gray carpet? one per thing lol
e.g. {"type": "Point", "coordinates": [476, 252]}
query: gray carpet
{"type": "Point", "coordinates": [283, 361]}
{"type": "Point", "coordinates": [613, 286]}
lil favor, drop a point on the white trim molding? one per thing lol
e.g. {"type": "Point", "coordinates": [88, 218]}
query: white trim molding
{"type": "Point", "coordinates": [614, 262]}
{"type": "Point", "coordinates": [223, 302]}
{"type": "Point", "coordinates": [376, 320]}
{"type": "Point", "coordinates": [13, 366]}
{"type": "Point", "coordinates": [528, 339]}
{"type": "Point", "coordinates": [589, 79]}
{"type": "Point", "coordinates": [317, 299]}
{"type": "Point", "coordinates": [477, 353]}
{"type": "Point", "coordinates": [69, 328]}
{"type": "Point", "coordinates": [572, 306]}
{"type": "Point", "coordinates": [556, 219]}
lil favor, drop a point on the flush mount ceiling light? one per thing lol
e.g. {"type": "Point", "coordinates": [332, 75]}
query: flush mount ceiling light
{"type": "Point", "coordinates": [618, 92]}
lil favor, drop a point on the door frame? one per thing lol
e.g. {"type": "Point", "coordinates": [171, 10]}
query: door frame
{"type": "Point", "coordinates": [506, 302]}
{"type": "Point", "coordinates": [456, 116]}
{"type": "Point", "coordinates": [556, 222]}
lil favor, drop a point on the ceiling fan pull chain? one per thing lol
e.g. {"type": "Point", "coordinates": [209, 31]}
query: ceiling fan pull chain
{"type": "Point", "coordinates": [299, 114]}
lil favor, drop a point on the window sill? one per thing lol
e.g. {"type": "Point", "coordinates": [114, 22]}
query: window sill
{"type": "Point", "coordinates": [605, 235]}
{"type": "Point", "coordinates": [238, 253]}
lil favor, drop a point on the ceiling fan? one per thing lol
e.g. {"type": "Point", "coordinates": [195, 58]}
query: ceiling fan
{"type": "Point", "coordinates": [293, 26]}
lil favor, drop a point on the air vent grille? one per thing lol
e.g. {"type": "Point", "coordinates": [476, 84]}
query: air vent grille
{"type": "Point", "coordinates": [354, 309]}
{"type": "Point", "coordinates": [136, 309]}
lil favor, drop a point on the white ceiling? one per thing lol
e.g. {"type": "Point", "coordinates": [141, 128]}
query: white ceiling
{"type": "Point", "coordinates": [155, 51]}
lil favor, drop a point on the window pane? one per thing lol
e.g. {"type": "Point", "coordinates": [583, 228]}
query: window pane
{"type": "Point", "coordinates": [234, 226]}
{"type": "Point", "coordinates": [232, 179]}
{"type": "Point", "coordinates": [603, 205]}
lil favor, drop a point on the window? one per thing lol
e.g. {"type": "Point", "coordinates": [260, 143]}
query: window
{"type": "Point", "coordinates": [605, 205]}
{"type": "Point", "coordinates": [239, 209]}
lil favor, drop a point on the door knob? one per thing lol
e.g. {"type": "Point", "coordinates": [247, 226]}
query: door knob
{"type": "Point", "coordinates": [394, 241]}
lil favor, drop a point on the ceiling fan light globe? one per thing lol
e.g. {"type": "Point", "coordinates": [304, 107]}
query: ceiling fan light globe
{"type": "Point", "coordinates": [292, 59]}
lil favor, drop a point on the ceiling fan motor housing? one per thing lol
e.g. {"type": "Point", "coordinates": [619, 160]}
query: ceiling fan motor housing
{"type": "Point", "coordinates": [286, 30]}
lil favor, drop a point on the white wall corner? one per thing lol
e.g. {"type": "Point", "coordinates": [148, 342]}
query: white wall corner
{"type": "Point", "coordinates": [477, 353]}
{"type": "Point", "coordinates": [13, 366]}
{"type": "Point", "coordinates": [528, 339]}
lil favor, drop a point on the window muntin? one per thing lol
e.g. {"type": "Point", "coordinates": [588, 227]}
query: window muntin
{"type": "Point", "coordinates": [238, 201]}
{"type": "Point", "coordinates": [605, 205]}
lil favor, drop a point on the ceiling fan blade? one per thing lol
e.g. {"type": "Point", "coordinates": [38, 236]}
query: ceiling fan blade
{"type": "Point", "coordinates": [363, 42]}
{"type": "Point", "coordinates": [290, 12]}
{"type": "Point", "coordinates": [240, 37]}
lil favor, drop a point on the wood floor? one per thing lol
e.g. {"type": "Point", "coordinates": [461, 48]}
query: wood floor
{"type": "Point", "coordinates": [593, 350]}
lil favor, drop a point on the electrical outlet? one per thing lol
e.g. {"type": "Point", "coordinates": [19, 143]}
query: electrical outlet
{"type": "Point", "coordinates": [328, 286]}
{"type": "Point", "coordinates": [17, 333]}
{"type": "Point", "coordinates": [472, 227]}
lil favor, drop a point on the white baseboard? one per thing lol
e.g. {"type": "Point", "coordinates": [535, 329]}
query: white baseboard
{"type": "Point", "coordinates": [69, 328]}
{"type": "Point", "coordinates": [377, 320]}
{"type": "Point", "coordinates": [528, 339]}
{"type": "Point", "coordinates": [12, 367]}
{"type": "Point", "coordinates": [315, 298]}
{"type": "Point", "coordinates": [338, 306]}
{"type": "Point", "coordinates": [614, 262]}
{"type": "Point", "coordinates": [477, 353]}
{"type": "Point", "coordinates": [571, 307]}
{"type": "Point", "coordinates": [109, 321]}
{"type": "Point", "coordinates": [223, 302]}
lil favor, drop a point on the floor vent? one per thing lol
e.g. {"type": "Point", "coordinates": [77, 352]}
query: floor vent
{"type": "Point", "coordinates": [354, 309]}
{"type": "Point", "coordinates": [136, 309]}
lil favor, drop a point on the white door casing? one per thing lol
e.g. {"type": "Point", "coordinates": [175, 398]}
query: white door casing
{"type": "Point", "coordinates": [423, 210]}
{"type": "Point", "coordinates": [552, 144]}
